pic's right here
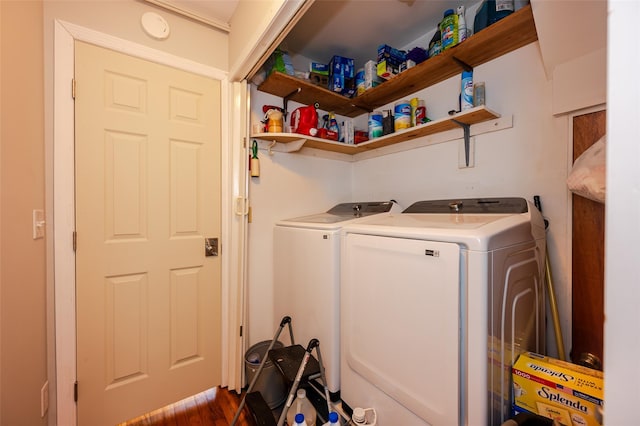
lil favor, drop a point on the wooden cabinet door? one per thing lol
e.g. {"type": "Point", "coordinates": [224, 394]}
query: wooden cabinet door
{"type": "Point", "coordinates": [588, 251]}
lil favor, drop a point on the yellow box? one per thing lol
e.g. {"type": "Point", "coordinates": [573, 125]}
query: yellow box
{"type": "Point", "coordinates": [565, 392]}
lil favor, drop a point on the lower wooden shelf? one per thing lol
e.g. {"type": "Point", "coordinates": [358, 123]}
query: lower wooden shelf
{"type": "Point", "coordinates": [294, 142]}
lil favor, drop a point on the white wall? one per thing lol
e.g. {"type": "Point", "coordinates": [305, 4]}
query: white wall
{"type": "Point", "coordinates": [289, 186]}
{"type": "Point", "coordinates": [529, 159]}
{"type": "Point", "coordinates": [254, 27]}
{"type": "Point", "coordinates": [577, 66]}
{"type": "Point", "coordinates": [23, 338]}
{"type": "Point", "coordinates": [187, 39]}
{"type": "Point", "coordinates": [622, 292]}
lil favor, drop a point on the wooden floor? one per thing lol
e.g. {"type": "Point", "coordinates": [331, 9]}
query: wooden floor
{"type": "Point", "coordinates": [214, 407]}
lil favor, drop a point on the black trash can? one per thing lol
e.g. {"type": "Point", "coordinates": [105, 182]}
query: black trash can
{"type": "Point", "coordinates": [271, 384]}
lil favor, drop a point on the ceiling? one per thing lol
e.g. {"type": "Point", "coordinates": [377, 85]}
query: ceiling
{"type": "Point", "coordinates": [352, 28]}
{"type": "Point", "coordinates": [216, 13]}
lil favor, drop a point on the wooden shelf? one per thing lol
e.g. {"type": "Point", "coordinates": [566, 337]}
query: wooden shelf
{"type": "Point", "coordinates": [514, 31]}
{"type": "Point", "coordinates": [470, 117]}
{"type": "Point", "coordinates": [283, 85]}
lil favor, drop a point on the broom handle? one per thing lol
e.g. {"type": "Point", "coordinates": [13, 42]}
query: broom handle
{"type": "Point", "coordinates": [551, 293]}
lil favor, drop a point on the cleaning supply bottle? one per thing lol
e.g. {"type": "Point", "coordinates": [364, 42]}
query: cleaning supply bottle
{"type": "Point", "coordinates": [299, 420]}
{"type": "Point", "coordinates": [462, 24]}
{"type": "Point", "coordinates": [498, 9]}
{"type": "Point", "coordinates": [364, 416]}
{"type": "Point", "coordinates": [466, 90]}
{"type": "Point", "coordinates": [491, 11]}
{"type": "Point", "coordinates": [435, 45]}
{"type": "Point", "coordinates": [481, 19]}
{"type": "Point", "coordinates": [449, 29]}
{"type": "Point", "coordinates": [302, 405]}
{"type": "Point", "coordinates": [334, 419]}
{"type": "Point", "coordinates": [333, 124]}
{"type": "Point", "coordinates": [375, 125]}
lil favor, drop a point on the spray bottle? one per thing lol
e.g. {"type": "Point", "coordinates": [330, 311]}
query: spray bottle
{"type": "Point", "coordinates": [462, 24]}
{"type": "Point", "coordinates": [466, 90]}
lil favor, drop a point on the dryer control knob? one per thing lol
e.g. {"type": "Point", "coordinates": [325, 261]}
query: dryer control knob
{"type": "Point", "coordinates": [456, 206]}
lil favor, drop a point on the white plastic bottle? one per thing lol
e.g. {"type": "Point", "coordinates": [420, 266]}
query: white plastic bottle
{"type": "Point", "coordinates": [302, 405]}
{"type": "Point", "coordinates": [299, 420]}
{"type": "Point", "coordinates": [334, 419]}
{"type": "Point", "coordinates": [462, 24]}
{"type": "Point", "coordinates": [364, 416]}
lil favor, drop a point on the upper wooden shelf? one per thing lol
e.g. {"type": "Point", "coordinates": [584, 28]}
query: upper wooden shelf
{"type": "Point", "coordinates": [472, 116]}
{"type": "Point", "coordinates": [514, 31]}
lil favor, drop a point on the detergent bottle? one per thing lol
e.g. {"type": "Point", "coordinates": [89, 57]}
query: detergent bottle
{"type": "Point", "coordinates": [334, 419]}
{"type": "Point", "coordinates": [299, 420]}
{"type": "Point", "coordinates": [302, 405]}
{"type": "Point", "coordinates": [333, 124]}
{"type": "Point", "coordinates": [449, 29]}
{"type": "Point", "coordinates": [364, 416]}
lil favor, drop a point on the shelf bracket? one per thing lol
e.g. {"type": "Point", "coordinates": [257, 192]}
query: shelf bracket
{"type": "Point", "coordinates": [285, 101]}
{"type": "Point", "coordinates": [363, 108]}
{"type": "Point", "coordinates": [467, 136]}
{"type": "Point", "coordinates": [465, 66]}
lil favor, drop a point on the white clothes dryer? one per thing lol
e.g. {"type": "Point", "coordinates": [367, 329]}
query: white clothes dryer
{"type": "Point", "coordinates": [436, 304]}
{"type": "Point", "coordinates": [307, 277]}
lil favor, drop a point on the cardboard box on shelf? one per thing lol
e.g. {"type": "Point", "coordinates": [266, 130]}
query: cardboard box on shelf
{"type": "Point", "coordinates": [570, 394]}
{"type": "Point", "coordinates": [318, 68]}
{"type": "Point", "coordinates": [342, 76]}
{"type": "Point", "coordinates": [388, 52]}
{"type": "Point", "coordinates": [387, 68]}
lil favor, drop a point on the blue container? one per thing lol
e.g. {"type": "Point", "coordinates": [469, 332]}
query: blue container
{"type": "Point", "coordinates": [466, 90]}
{"type": "Point", "coordinates": [490, 12]}
{"type": "Point", "coordinates": [402, 115]}
{"type": "Point", "coordinates": [499, 9]}
{"type": "Point", "coordinates": [375, 124]}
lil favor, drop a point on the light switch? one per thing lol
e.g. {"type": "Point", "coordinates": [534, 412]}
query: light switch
{"type": "Point", "coordinates": [38, 224]}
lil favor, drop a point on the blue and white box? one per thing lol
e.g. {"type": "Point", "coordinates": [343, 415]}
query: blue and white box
{"type": "Point", "coordinates": [342, 76]}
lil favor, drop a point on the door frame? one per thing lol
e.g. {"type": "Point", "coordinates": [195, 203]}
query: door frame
{"type": "Point", "coordinates": [60, 161]}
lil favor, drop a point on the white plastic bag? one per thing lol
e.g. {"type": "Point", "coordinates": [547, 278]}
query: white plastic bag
{"type": "Point", "coordinates": [588, 174]}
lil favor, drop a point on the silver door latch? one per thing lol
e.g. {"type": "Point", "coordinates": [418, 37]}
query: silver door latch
{"type": "Point", "coordinates": [210, 246]}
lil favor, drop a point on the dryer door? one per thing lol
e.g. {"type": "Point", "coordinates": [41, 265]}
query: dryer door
{"type": "Point", "coordinates": [400, 325]}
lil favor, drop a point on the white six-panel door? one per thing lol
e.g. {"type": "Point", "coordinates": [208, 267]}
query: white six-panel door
{"type": "Point", "coordinates": [147, 195]}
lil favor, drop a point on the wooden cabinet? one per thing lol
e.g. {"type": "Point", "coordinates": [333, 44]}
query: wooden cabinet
{"type": "Point", "coordinates": [514, 31]}
{"type": "Point", "coordinates": [587, 266]}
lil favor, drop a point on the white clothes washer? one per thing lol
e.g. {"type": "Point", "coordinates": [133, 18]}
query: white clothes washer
{"type": "Point", "coordinates": [436, 304]}
{"type": "Point", "coordinates": [307, 277]}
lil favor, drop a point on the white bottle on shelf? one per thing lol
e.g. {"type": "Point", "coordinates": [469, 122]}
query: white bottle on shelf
{"type": "Point", "coordinates": [462, 24]}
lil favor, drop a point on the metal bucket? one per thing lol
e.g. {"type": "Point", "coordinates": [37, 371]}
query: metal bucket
{"type": "Point", "coordinates": [271, 384]}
